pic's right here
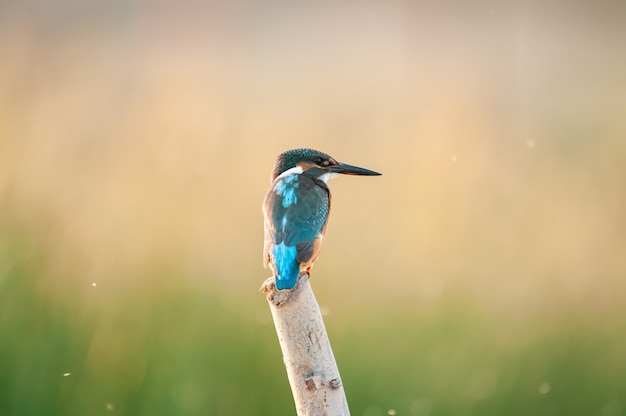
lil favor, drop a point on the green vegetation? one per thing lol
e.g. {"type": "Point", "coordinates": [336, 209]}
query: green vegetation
{"type": "Point", "coordinates": [178, 348]}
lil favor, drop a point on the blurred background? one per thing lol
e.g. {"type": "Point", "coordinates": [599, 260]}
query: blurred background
{"type": "Point", "coordinates": [483, 274]}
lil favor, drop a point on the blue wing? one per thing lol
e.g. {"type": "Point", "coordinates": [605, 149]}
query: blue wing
{"type": "Point", "coordinates": [296, 213]}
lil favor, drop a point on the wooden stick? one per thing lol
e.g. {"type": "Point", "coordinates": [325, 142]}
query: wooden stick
{"type": "Point", "coordinates": [313, 375]}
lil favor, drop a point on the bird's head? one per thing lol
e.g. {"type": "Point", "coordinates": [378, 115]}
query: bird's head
{"type": "Point", "coordinates": [315, 164]}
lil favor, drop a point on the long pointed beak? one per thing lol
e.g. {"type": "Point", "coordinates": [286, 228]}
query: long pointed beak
{"type": "Point", "coordinates": [346, 169]}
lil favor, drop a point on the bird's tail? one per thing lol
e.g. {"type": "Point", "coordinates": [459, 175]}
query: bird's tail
{"type": "Point", "coordinates": [286, 268]}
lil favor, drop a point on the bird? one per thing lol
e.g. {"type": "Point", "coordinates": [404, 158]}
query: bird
{"type": "Point", "coordinates": [296, 209]}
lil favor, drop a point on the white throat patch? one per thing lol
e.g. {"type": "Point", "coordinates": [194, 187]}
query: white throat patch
{"type": "Point", "coordinates": [327, 176]}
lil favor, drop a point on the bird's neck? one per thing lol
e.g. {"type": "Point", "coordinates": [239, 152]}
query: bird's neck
{"type": "Point", "coordinates": [293, 171]}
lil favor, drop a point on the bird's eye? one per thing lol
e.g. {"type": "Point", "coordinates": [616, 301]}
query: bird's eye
{"type": "Point", "coordinates": [321, 162]}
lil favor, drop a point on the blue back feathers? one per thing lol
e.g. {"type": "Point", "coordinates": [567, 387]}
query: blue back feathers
{"type": "Point", "coordinates": [296, 210]}
{"type": "Point", "coordinates": [285, 264]}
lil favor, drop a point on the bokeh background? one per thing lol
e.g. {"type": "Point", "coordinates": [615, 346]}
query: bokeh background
{"type": "Point", "coordinates": [483, 274]}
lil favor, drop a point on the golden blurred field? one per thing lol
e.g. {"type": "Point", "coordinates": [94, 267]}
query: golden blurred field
{"type": "Point", "coordinates": [483, 273]}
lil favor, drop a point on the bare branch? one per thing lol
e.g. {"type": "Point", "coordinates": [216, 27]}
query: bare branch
{"type": "Point", "coordinates": [315, 383]}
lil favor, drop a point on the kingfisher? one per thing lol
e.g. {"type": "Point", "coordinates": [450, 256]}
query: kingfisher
{"type": "Point", "coordinates": [296, 209]}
